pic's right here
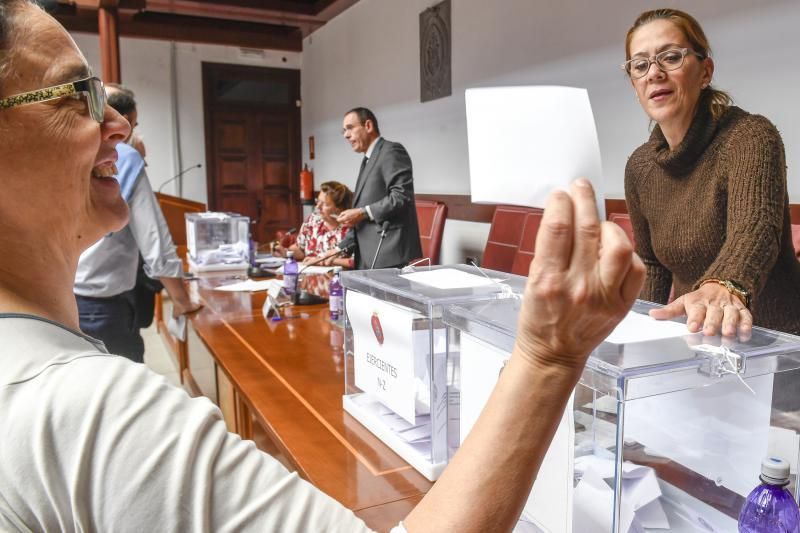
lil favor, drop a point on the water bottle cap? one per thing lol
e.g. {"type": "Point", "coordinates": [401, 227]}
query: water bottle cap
{"type": "Point", "coordinates": [290, 253]}
{"type": "Point", "coordinates": [774, 471]}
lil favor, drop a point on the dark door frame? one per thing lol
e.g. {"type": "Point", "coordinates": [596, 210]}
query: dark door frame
{"type": "Point", "coordinates": [213, 71]}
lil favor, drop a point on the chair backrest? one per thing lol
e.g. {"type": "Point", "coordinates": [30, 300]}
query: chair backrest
{"type": "Point", "coordinates": [505, 235]}
{"type": "Point", "coordinates": [431, 217]}
{"type": "Point", "coordinates": [796, 239]}
{"type": "Point", "coordinates": [527, 243]}
{"type": "Point", "coordinates": [623, 220]}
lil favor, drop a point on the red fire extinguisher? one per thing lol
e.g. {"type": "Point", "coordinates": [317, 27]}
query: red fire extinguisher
{"type": "Point", "coordinates": [306, 185]}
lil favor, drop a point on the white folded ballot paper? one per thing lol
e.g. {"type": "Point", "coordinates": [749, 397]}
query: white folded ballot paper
{"type": "Point", "coordinates": [524, 142]}
{"type": "Point", "coordinates": [177, 327]}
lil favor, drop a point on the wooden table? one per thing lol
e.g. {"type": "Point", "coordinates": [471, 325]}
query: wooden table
{"type": "Point", "coordinates": [281, 384]}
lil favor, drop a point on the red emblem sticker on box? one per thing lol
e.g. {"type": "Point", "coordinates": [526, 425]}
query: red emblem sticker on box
{"type": "Point", "coordinates": [376, 328]}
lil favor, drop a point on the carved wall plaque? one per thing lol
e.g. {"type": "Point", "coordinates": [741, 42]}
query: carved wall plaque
{"type": "Point", "coordinates": [434, 52]}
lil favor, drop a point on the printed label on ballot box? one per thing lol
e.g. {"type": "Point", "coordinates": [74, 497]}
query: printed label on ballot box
{"type": "Point", "coordinates": [383, 352]}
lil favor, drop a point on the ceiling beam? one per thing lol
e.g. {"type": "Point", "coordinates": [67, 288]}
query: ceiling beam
{"type": "Point", "coordinates": [306, 23]}
{"type": "Point", "coordinates": [188, 29]}
{"type": "Point", "coordinates": [91, 4]}
{"type": "Point", "coordinates": [306, 8]}
{"type": "Point", "coordinates": [327, 9]}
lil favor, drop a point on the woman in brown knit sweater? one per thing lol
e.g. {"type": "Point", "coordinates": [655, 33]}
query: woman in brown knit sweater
{"type": "Point", "coordinates": [707, 192]}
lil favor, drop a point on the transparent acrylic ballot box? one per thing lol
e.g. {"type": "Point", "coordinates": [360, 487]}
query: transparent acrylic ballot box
{"type": "Point", "coordinates": [665, 430]}
{"type": "Point", "coordinates": [217, 241]}
{"type": "Point", "coordinates": [396, 373]}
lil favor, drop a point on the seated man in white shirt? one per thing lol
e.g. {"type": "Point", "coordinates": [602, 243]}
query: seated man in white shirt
{"type": "Point", "coordinates": [107, 271]}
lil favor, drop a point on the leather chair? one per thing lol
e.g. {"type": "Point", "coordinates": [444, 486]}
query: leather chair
{"type": "Point", "coordinates": [505, 236]}
{"type": "Point", "coordinates": [431, 217]}
{"type": "Point", "coordinates": [527, 243]}
{"type": "Point", "coordinates": [623, 220]}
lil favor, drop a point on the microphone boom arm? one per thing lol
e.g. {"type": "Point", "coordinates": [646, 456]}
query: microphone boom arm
{"type": "Point", "coordinates": [178, 175]}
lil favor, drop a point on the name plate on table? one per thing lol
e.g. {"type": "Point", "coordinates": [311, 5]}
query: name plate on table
{"type": "Point", "coordinates": [383, 352]}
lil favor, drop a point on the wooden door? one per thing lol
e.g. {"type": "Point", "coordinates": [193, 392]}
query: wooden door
{"type": "Point", "coordinates": [253, 145]}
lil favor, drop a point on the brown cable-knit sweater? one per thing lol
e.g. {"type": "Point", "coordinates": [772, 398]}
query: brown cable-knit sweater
{"type": "Point", "coordinates": [717, 207]}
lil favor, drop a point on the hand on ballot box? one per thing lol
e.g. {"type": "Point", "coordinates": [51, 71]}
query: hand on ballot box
{"type": "Point", "coordinates": [711, 309]}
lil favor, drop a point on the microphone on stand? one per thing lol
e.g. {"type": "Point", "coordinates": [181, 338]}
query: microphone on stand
{"type": "Point", "coordinates": [179, 174]}
{"type": "Point", "coordinates": [384, 228]}
{"type": "Point", "coordinates": [305, 297]}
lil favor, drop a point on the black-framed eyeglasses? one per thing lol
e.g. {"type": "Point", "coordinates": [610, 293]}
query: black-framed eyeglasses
{"type": "Point", "coordinates": [667, 60]}
{"type": "Point", "coordinates": [92, 87]}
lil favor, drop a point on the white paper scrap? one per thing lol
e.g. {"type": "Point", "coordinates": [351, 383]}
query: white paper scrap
{"type": "Point", "coordinates": [246, 286]}
{"type": "Point", "coordinates": [270, 261]}
{"type": "Point", "coordinates": [721, 432]}
{"type": "Point", "coordinates": [640, 506]}
{"type": "Point", "coordinates": [652, 516]}
{"type": "Point", "coordinates": [177, 327]}
{"type": "Point", "coordinates": [312, 269]}
{"type": "Point", "coordinates": [449, 278]}
{"type": "Point", "coordinates": [636, 327]}
{"type": "Point", "coordinates": [594, 504]}
{"type": "Point", "coordinates": [525, 142]}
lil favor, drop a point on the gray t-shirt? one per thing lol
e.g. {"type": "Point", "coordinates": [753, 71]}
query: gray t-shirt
{"type": "Point", "coordinates": [94, 442]}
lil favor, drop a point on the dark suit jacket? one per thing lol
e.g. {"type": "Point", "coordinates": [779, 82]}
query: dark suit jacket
{"type": "Point", "coordinates": [387, 187]}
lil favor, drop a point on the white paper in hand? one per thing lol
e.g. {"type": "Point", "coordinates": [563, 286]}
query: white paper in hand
{"type": "Point", "coordinates": [177, 327]}
{"type": "Point", "coordinates": [524, 142]}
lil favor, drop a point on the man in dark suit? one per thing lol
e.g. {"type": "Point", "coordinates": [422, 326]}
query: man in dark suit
{"type": "Point", "coordinates": [384, 192]}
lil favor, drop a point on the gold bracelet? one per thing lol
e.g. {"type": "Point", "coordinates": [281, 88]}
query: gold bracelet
{"type": "Point", "coordinates": [732, 287]}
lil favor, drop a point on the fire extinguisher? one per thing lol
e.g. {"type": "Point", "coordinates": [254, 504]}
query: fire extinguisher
{"type": "Point", "coordinates": [306, 185]}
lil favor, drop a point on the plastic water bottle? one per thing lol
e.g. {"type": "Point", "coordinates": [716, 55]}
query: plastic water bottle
{"type": "Point", "coordinates": [770, 507]}
{"type": "Point", "coordinates": [335, 296]}
{"type": "Point", "coordinates": [290, 270]}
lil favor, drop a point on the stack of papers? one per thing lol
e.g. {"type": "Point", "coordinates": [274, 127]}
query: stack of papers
{"type": "Point", "coordinates": [594, 497]}
{"type": "Point", "coordinates": [636, 327]}
{"type": "Point", "coordinates": [450, 278]}
{"type": "Point", "coordinates": [249, 285]}
{"type": "Point", "coordinates": [269, 261]}
{"type": "Point", "coordinates": [313, 269]}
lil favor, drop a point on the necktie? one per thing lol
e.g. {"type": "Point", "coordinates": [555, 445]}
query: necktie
{"type": "Point", "coordinates": [361, 172]}
{"type": "Point", "coordinates": [363, 165]}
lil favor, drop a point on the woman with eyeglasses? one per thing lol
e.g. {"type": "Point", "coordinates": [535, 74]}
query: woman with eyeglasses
{"type": "Point", "coordinates": [707, 192]}
{"type": "Point", "coordinates": [94, 442]}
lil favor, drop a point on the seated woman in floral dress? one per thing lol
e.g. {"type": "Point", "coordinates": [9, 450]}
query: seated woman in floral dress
{"type": "Point", "coordinates": [321, 232]}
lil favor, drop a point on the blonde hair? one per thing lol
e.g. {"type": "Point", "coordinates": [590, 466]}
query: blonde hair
{"type": "Point", "coordinates": [720, 100]}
